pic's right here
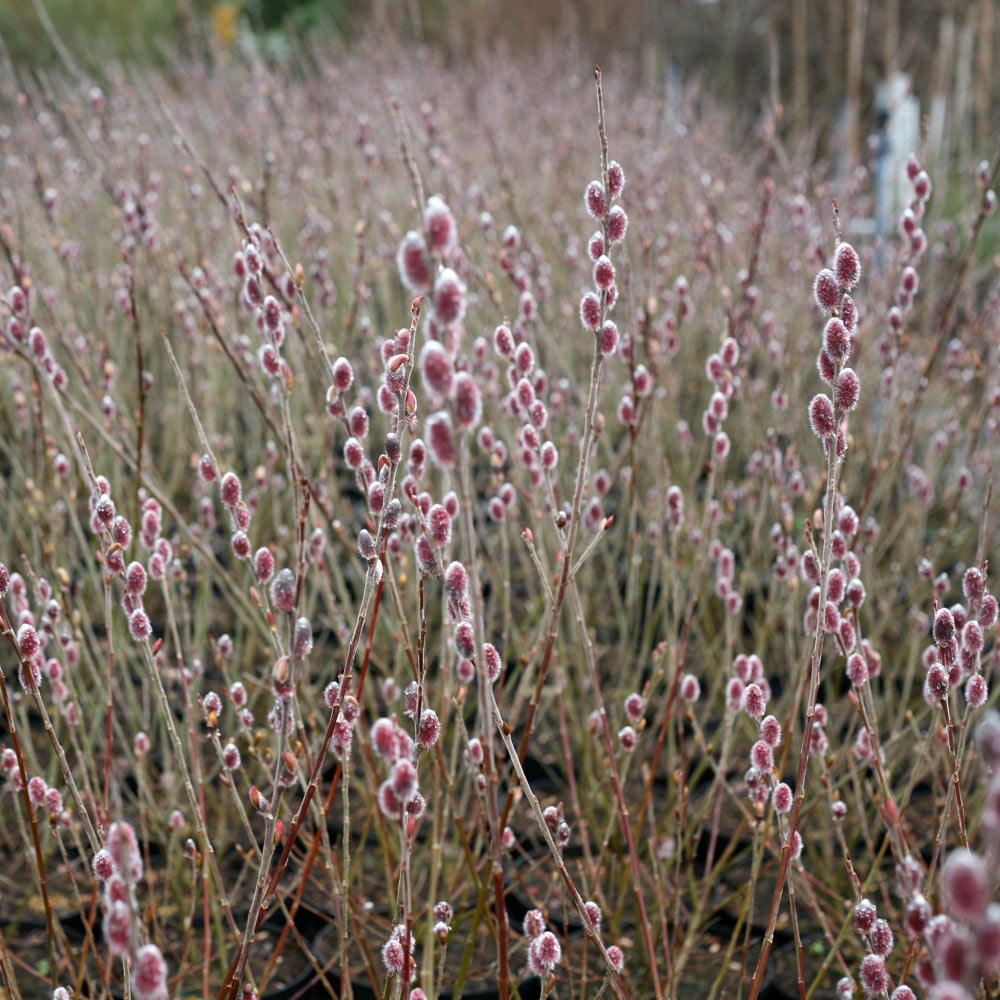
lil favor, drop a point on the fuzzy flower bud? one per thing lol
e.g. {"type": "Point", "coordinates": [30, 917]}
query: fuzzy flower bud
{"type": "Point", "coordinates": [590, 311]}
{"type": "Point", "coordinates": [976, 691]}
{"type": "Point", "coordinates": [616, 179]}
{"type": "Point", "coordinates": [596, 200]}
{"type": "Point", "coordinates": [103, 865]}
{"type": "Point", "coordinates": [617, 223]}
{"type": "Point", "coordinates": [231, 489]}
{"type": "Point", "coordinates": [436, 367]}
{"type": "Point", "coordinates": [754, 701]}
{"type": "Point", "coordinates": [468, 402]}
{"type": "Point", "coordinates": [762, 755]}
{"type": "Point", "coordinates": [836, 340]}
{"type": "Point", "coordinates": [28, 643]}
{"type": "Point", "coordinates": [135, 579]}
{"type": "Point", "coordinates": [342, 374]}
{"type": "Point", "coordinates": [874, 976]}
{"type": "Point", "coordinates": [821, 416]}
{"type": "Point", "coordinates": [857, 670]}
{"type": "Point", "coordinates": [428, 729]}
{"type": "Point", "coordinates": [989, 611]}
{"type": "Point", "coordinates": [936, 684]}
{"type": "Point", "coordinates": [847, 266]}
{"type": "Point", "coordinates": [366, 545]}
{"type": "Point", "coordinates": [544, 953]}
{"type": "Point", "coordinates": [231, 757]}
{"type": "Point", "coordinates": [604, 273]}
{"type": "Point", "coordinates": [283, 591]}
{"type": "Point", "coordinates": [491, 657]}
{"type": "Point", "coordinates": [465, 644]}
{"type": "Point", "coordinates": [149, 974]}
{"type": "Point", "coordinates": [118, 927]}
{"type": "Point", "coordinates": [675, 508]}
{"type": "Point", "coordinates": [770, 731]}
{"type": "Point", "coordinates": [944, 627]}
{"type": "Point", "coordinates": [456, 581]}
{"type": "Point", "coordinates": [263, 565]}
{"type": "Point", "coordinates": [440, 439]}
{"type": "Point", "coordinates": [439, 224]}
{"type": "Point", "coordinates": [864, 916]}
{"type": "Point", "coordinates": [139, 626]}
{"type": "Point", "coordinates": [825, 290]}
{"type": "Point", "coordinates": [782, 797]}
{"type": "Point", "coordinates": [847, 390]}
{"type": "Point", "coordinates": [965, 885]}
{"type": "Point", "coordinates": [607, 339]}
{"type": "Point", "coordinates": [881, 937]}
{"type": "Point", "coordinates": [411, 259]}
{"type": "Point", "coordinates": [449, 298]}
{"type": "Point", "coordinates": [534, 924]}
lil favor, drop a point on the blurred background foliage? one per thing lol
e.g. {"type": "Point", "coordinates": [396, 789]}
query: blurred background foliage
{"type": "Point", "coordinates": [812, 67]}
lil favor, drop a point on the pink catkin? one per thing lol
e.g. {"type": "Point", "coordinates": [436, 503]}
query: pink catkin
{"type": "Point", "coordinates": [847, 266]}
{"type": "Point", "coordinates": [440, 439]}
{"type": "Point", "coordinates": [874, 976]}
{"type": "Point", "coordinates": [468, 402]}
{"type": "Point", "coordinates": [836, 340]}
{"type": "Point", "coordinates": [616, 179]}
{"type": "Point", "coordinates": [283, 591]}
{"type": "Point", "coordinates": [607, 339]}
{"type": "Point", "coordinates": [821, 416]}
{"type": "Point", "coordinates": [263, 564]}
{"type": "Point", "coordinates": [449, 298]}
{"type": "Point", "coordinates": [428, 729]}
{"type": "Point", "coordinates": [825, 290]}
{"type": "Point", "coordinates": [118, 927]}
{"type": "Point", "coordinates": [596, 200]}
{"type": "Point", "coordinates": [847, 390]}
{"type": "Point", "coordinates": [604, 273]}
{"type": "Point", "coordinates": [782, 797]}
{"type": "Point", "coordinates": [412, 261]}
{"type": "Point", "coordinates": [139, 626]}
{"type": "Point", "coordinates": [617, 223]}
{"type": "Point", "coordinates": [965, 885]}
{"type": "Point", "coordinates": [944, 627]}
{"type": "Point", "coordinates": [231, 489]}
{"type": "Point", "coordinates": [439, 224]}
{"type": "Point", "coordinates": [590, 311]}
{"type": "Point", "coordinates": [28, 644]}
{"type": "Point", "coordinates": [436, 367]}
{"type": "Point", "coordinates": [988, 611]}
{"type": "Point", "coordinates": [544, 953]}
{"type": "Point", "coordinates": [149, 976]}
{"type": "Point", "coordinates": [342, 374]}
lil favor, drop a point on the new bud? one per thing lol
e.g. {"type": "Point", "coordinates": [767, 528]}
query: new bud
{"type": "Point", "coordinates": [825, 290]}
{"type": "Point", "coordinates": [847, 390]}
{"type": "Point", "coordinates": [439, 224]}
{"type": "Point", "coordinates": [847, 266]}
{"type": "Point", "coordinates": [821, 416]}
{"type": "Point", "coordinates": [596, 200]}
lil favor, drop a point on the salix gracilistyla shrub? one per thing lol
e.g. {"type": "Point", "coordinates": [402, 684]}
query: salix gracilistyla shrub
{"type": "Point", "coordinates": [435, 558]}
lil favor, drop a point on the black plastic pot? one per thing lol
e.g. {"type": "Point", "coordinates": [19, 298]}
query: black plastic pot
{"type": "Point", "coordinates": [480, 986]}
{"type": "Point", "coordinates": [784, 970]}
{"type": "Point", "coordinates": [714, 969]}
{"type": "Point", "coordinates": [292, 976]}
{"type": "Point", "coordinates": [27, 945]}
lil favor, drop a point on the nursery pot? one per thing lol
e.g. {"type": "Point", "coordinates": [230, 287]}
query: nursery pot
{"type": "Point", "coordinates": [713, 967]}
{"type": "Point", "coordinates": [479, 984]}
{"type": "Point", "coordinates": [784, 970]}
